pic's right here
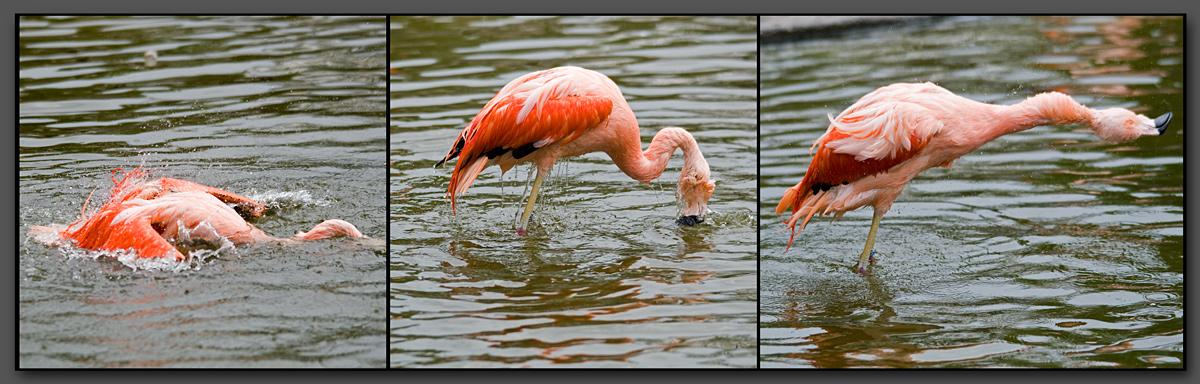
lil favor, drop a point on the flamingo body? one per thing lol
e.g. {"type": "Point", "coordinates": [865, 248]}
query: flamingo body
{"type": "Point", "coordinates": [542, 109]}
{"type": "Point", "coordinates": [152, 217]}
{"type": "Point", "coordinates": [565, 112]}
{"type": "Point", "coordinates": [146, 225]}
{"type": "Point", "coordinates": [244, 205]}
{"type": "Point", "coordinates": [877, 145]}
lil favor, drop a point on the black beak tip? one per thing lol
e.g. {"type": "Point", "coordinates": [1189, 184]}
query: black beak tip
{"type": "Point", "coordinates": [689, 220]}
{"type": "Point", "coordinates": [1162, 121]}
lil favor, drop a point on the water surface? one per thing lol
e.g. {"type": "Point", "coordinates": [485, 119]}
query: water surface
{"type": "Point", "coordinates": [289, 111]}
{"type": "Point", "coordinates": [605, 277]}
{"type": "Point", "coordinates": [1045, 248]}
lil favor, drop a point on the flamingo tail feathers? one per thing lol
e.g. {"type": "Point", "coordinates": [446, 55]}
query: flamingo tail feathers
{"type": "Point", "coordinates": [803, 204]}
{"type": "Point", "coordinates": [454, 151]}
{"type": "Point", "coordinates": [463, 176]}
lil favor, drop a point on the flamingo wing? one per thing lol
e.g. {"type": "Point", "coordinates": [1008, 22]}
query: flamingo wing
{"type": "Point", "coordinates": [532, 112]}
{"type": "Point", "coordinates": [105, 231]}
{"type": "Point", "coordinates": [133, 186]}
{"type": "Point", "coordinates": [882, 130]}
{"type": "Point", "coordinates": [138, 233]}
{"type": "Point", "coordinates": [244, 205]}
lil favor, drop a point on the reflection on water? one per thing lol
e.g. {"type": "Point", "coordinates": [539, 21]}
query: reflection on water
{"type": "Point", "coordinates": [605, 278]}
{"type": "Point", "coordinates": [285, 110]}
{"type": "Point", "coordinates": [1046, 248]}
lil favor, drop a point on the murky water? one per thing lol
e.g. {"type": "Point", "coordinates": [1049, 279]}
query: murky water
{"type": "Point", "coordinates": [605, 278]}
{"type": "Point", "coordinates": [1046, 248]}
{"type": "Point", "coordinates": [286, 110]}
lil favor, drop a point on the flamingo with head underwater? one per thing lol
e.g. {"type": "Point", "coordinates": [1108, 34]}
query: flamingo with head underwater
{"type": "Point", "coordinates": [149, 216]}
{"type": "Point", "coordinates": [565, 112]}
{"type": "Point", "coordinates": [878, 144]}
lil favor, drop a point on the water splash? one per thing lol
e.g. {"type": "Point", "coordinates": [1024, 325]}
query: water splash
{"type": "Point", "coordinates": [201, 237]}
{"type": "Point", "coordinates": [200, 244]}
{"type": "Point", "coordinates": [287, 199]}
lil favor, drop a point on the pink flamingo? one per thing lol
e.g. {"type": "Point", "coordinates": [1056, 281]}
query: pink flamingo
{"type": "Point", "coordinates": [147, 216]}
{"type": "Point", "coordinates": [570, 111]}
{"type": "Point", "coordinates": [873, 148]}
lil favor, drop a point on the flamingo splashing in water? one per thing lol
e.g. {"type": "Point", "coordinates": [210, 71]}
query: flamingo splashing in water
{"type": "Point", "coordinates": [878, 144]}
{"type": "Point", "coordinates": [147, 216]}
{"type": "Point", "coordinates": [565, 112]}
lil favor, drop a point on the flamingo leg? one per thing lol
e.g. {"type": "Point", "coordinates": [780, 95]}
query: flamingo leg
{"type": "Point", "coordinates": [537, 184]}
{"type": "Point", "coordinates": [868, 255]}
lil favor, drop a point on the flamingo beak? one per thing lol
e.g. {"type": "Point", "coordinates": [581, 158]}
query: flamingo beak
{"type": "Point", "coordinates": [689, 220]}
{"type": "Point", "coordinates": [693, 212]}
{"type": "Point", "coordinates": [1161, 122]}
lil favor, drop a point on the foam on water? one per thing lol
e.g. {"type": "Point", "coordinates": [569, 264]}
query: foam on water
{"type": "Point", "coordinates": [287, 199]}
{"type": "Point", "coordinates": [200, 245]}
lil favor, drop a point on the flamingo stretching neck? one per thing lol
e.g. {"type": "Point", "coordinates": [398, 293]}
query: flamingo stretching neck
{"type": "Point", "coordinates": [878, 144]}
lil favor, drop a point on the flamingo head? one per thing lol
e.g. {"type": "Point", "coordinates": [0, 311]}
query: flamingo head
{"type": "Point", "coordinates": [695, 188]}
{"type": "Point", "coordinates": [1118, 125]}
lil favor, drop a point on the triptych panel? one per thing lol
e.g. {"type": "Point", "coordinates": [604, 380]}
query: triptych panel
{"type": "Point", "coordinates": [389, 192]}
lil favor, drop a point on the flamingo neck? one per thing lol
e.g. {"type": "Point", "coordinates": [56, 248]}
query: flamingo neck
{"type": "Point", "coordinates": [1050, 108]}
{"type": "Point", "coordinates": [330, 228]}
{"type": "Point", "coordinates": [649, 165]}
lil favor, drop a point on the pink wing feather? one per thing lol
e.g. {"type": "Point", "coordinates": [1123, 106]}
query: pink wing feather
{"type": "Point", "coordinates": [882, 130]}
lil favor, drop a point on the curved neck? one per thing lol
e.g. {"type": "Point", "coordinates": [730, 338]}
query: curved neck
{"type": "Point", "coordinates": [649, 165]}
